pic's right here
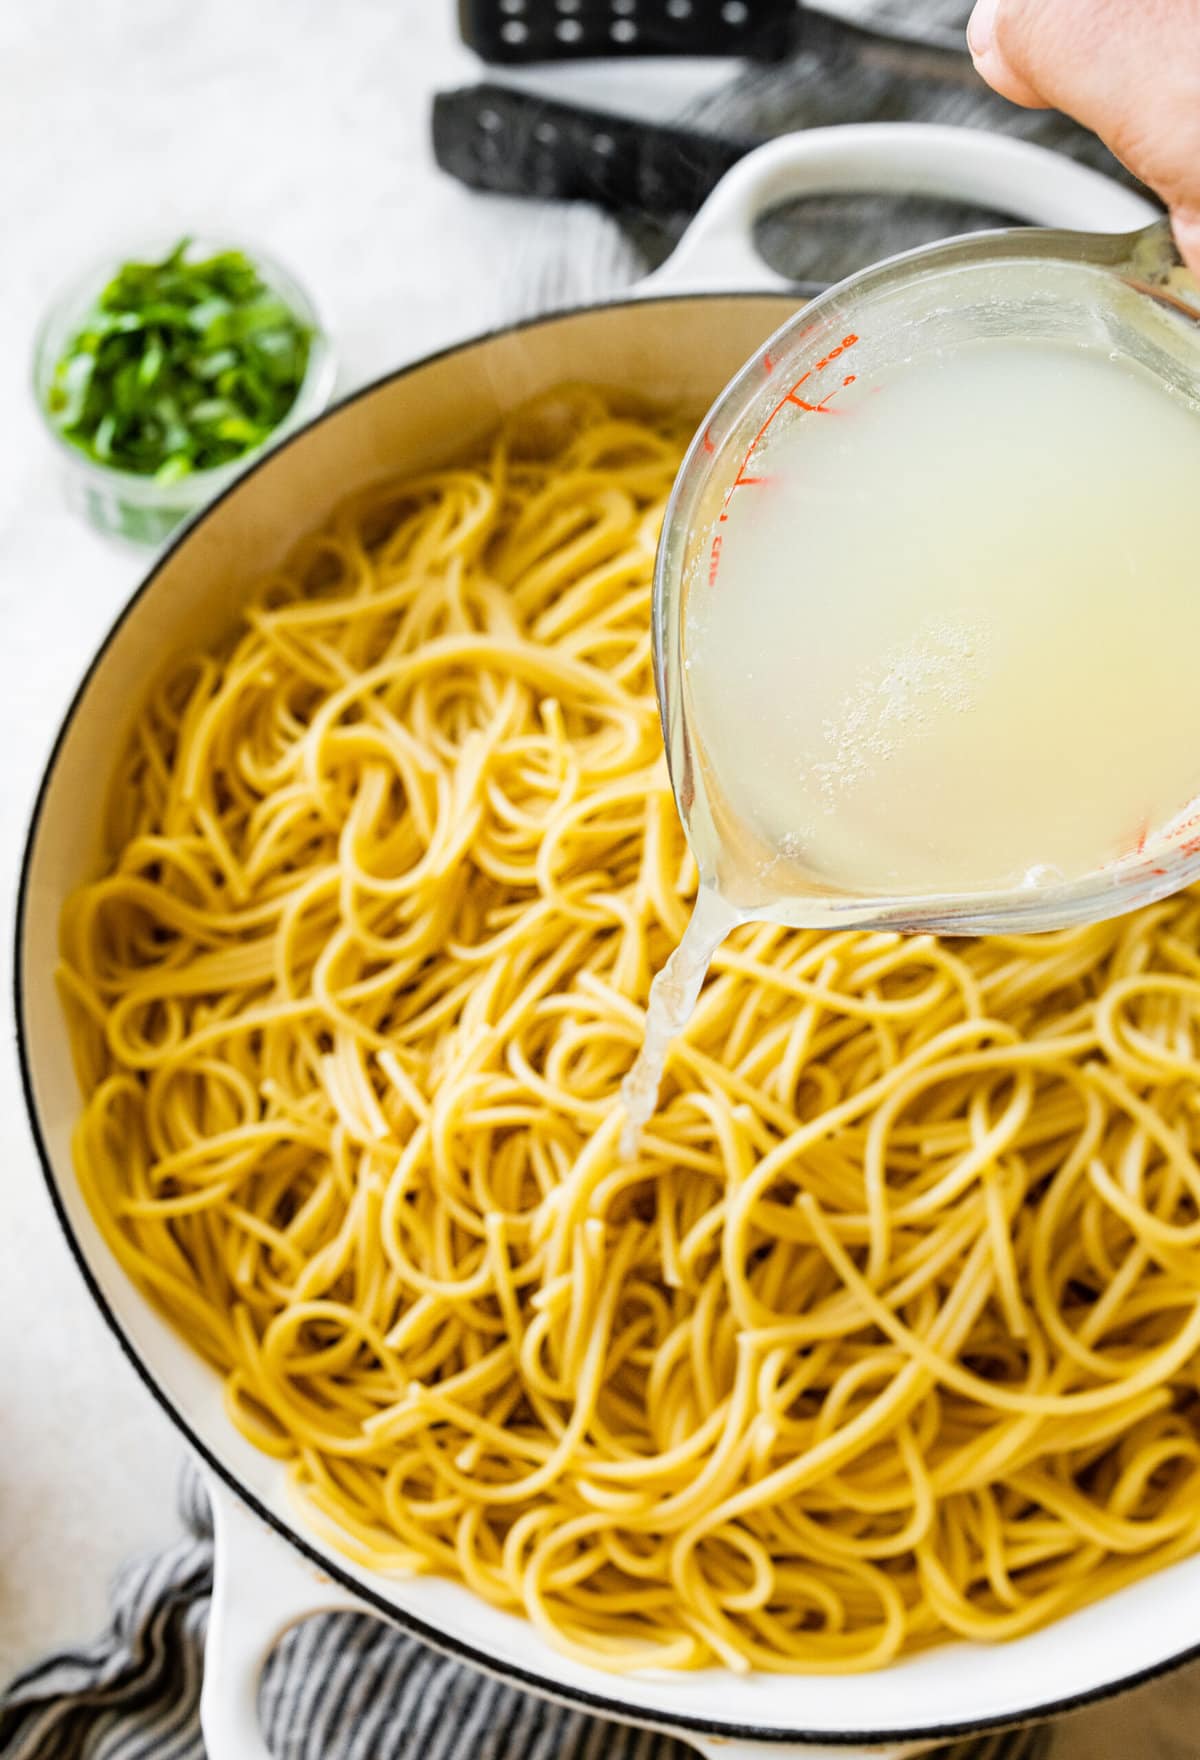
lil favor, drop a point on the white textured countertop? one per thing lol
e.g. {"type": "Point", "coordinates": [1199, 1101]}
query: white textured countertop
{"type": "Point", "coordinates": [302, 125]}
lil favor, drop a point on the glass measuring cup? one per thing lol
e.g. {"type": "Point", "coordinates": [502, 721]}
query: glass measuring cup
{"type": "Point", "coordinates": [1126, 295]}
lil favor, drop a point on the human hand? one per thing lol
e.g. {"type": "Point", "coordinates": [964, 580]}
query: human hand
{"type": "Point", "coordinates": [1127, 69]}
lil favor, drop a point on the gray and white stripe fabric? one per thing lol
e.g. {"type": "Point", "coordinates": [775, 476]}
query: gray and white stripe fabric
{"type": "Point", "coordinates": [940, 23]}
{"type": "Point", "coordinates": [339, 1687]}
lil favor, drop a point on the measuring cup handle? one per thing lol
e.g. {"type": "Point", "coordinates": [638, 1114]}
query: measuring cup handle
{"type": "Point", "coordinates": [717, 252]}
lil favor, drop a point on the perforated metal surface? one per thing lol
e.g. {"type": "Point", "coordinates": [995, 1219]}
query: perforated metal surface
{"type": "Point", "coordinates": [545, 30]}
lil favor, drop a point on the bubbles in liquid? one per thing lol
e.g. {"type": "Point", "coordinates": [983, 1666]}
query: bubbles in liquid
{"type": "Point", "coordinates": [1042, 874]}
{"type": "Point", "coordinates": [937, 669]}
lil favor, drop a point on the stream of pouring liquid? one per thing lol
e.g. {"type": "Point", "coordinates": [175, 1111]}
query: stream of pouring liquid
{"type": "Point", "coordinates": [953, 645]}
{"type": "Point", "coordinates": [673, 998]}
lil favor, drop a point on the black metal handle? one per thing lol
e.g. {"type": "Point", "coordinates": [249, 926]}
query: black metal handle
{"type": "Point", "coordinates": [516, 143]}
{"type": "Point", "coordinates": [554, 30]}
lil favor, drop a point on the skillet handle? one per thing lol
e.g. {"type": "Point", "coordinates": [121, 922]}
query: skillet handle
{"type": "Point", "coordinates": [717, 252]}
{"type": "Point", "coordinates": [261, 1587]}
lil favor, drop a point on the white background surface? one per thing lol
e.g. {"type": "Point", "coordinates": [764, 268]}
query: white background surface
{"type": "Point", "coordinates": [302, 125]}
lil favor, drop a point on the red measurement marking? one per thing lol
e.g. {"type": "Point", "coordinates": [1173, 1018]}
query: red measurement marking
{"type": "Point", "coordinates": [840, 349]}
{"type": "Point", "coordinates": [1143, 833]}
{"type": "Point", "coordinates": [1190, 847]}
{"type": "Point", "coordinates": [768, 363]}
{"type": "Point", "coordinates": [744, 479]}
{"type": "Point", "coordinates": [1158, 870]}
{"type": "Point", "coordinates": [850, 378]}
{"type": "Point", "coordinates": [1186, 824]}
{"type": "Point", "coordinates": [708, 441]}
{"type": "Point", "coordinates": [714, 558]}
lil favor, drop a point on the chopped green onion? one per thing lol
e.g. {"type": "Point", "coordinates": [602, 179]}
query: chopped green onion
{"type": "Point", "coordinates": [180, 366]}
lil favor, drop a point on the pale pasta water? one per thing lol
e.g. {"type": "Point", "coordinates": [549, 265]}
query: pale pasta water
{"type": "Point", "coordinates": [952, 644]}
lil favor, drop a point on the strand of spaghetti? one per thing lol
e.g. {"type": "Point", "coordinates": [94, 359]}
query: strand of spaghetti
{"type": "Point", "coordinates": [1160, 1366]}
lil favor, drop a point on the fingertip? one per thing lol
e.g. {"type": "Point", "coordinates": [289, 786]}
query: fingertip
{"type": "Point", "coordinates": [1185, 225]}
{"type": "Point", "coordinates": [1000, 76]}
{"type": "Point", "coordinates": [981, 29]}
{"type": "Point", "coordinates": [991, 63]}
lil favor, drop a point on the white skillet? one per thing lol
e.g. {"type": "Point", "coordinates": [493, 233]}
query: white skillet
{"type": "Point", "coordinates": [680, 335]}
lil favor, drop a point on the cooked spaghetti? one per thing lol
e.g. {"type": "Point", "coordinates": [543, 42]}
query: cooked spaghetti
{"type": "Point", "coordinates": [889, 1331]}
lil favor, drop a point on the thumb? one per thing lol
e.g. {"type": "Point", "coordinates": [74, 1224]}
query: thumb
{"type": "Point", "coordinates": [1128, 71]}
{"type": "Point", "coordinates": [991, 61]}
{"type": "Point", "coordinates": [1185, 224]}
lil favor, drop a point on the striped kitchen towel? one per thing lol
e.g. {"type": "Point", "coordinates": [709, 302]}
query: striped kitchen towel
{"type": "Point", "coordinates": [338, 1687]}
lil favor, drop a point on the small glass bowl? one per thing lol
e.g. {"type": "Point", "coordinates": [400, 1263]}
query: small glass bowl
{"type": "Point", "coordinates": [124, 504]}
